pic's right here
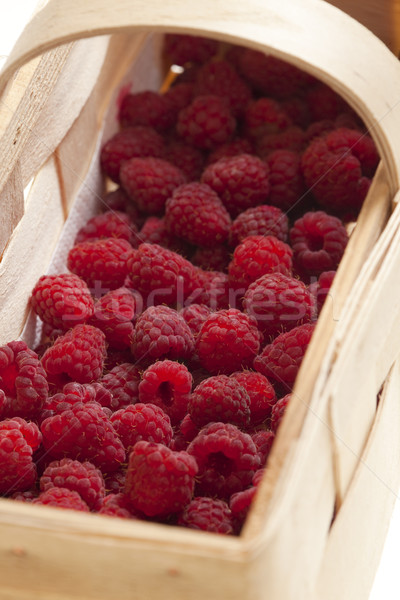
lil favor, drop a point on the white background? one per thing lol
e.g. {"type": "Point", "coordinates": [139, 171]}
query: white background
{"type": "Point", "coordinates": [13, 16]}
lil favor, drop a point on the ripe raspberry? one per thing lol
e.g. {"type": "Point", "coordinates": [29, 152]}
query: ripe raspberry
{"type": "Point", "coordinates": [167, 384]}
{"type": "Point", "coordinates": [179, 96]}
{"type": "Point", "coordinates": [256, 256]}
{"type": "Point", "coordinates": [78, 354]}
{"type": "Point", "coordinates": [29, 430]}
{"type": "Point", "coordinates": [82, 477]}
{"type": "Point", "coordinates": [195, 213]}
{"type": "Point", "coordinates": [292, 138]}
{"type": "Point", "coordinates": [281, 360]}
{"type": "Point", "coordinates": [17, 470]}
{"type": "Point", "coordinates": [62, 300]}
{"type": "Point", "coordinates": [160, 332]}
{"type": "Point", "coordinates": [238, 145]}
{"type": "Point", "coordinates": [83, 432]}
{"type": "Point", "coordinates": [154, 231]}
{"type": "Point", "coordinates": [187, 158]}
{"type": "Point", "coordinates": [188, 429]}
{"type": "Point", "coordinates": [227, 459]}
{"type": "Point", "coordinates": [320, 289]}
{"type": "Point", "coordinates": [149, 182]}
{"type": "Point", "coordinates": [125, 144]}
{"type": "Point", "coordinates": [241, 181]}
{"type": "Point", "coordinates": [146, 108]}
{"type": "Point", "coordinates": [278, 412]}
{"type": "Point", "coordinates": [257, 477]}
{"type": "Point", "coordinates": [114, 314]}
{"type": "Point", "coordinates": [219, 398]}
{"type": "Point", "coordinates": [195, 315]}
{"type": "Point", "coordinates": [159, 481]}
{"type": "Point", "coordinates": [263, 116]}
{"type": "Point", "coordinates": [117, 505]}
{"type": "Point", "coordinates": [213, 259]}
{"type": "Point", "coordinates": [260, 220]}
{"type": "Point", "coordinates": [101, 262]}
{"type": "Point", "coordinates": [123, 383]}
{"type": "Point", "coordinates": [228, 340]}
{"type": "Point", "coordinates": [261, 394]}
{"type": "Point", "coordinates": [142, 422]}
{"type": "Point", "coordinates": [318, 241]}
{"type": "Point", "coordinates": [206, 122]}
{"type": "Point", "coordinates": [286, 179]}
{"type": "Point", "coordinates": [211, 289]}
{"type": "Point", "coordinates": [27, 496]}
{"type": "Point", "coordinates": [184, 48]}
{"type": "Point", "coordinates": [207, 514]}
{"type": "Point", "coordinates": [240, 504]}
{"type": "Point", "coordinates": [278, 303]}
{"type": "Point", "coordinates": [60, 497]}
{"type": "Point", "coordinates": [263, 440]}
{"type": "Point", "coordinates": [110, 224]}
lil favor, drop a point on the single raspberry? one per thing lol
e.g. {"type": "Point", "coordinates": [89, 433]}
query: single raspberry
{"type": "Point", "coordinates": [167, 384]}
{"type": "Point", "coordinates": [261, 393]}
{"type": "Point", "coordinates": [159, 481]}
{"type": "Point", "coordinates": [207, 514]}
{"type": "Point", "coordinates": [278, 303]}
{"type": "Point", "coordinates": [227, 459]}
{"type": "Point", "coordinates": [260, 220]}
{"type": "Point", "coordinates": [228, 340]}
{"type": "Point", "coordinates": [109, 224]}
{"type": "Point", "coordinates": [82, 477]}
{"type": "Point", "coordinates": [195, 315]}
{"type": "Point", "coordinates": [84, 432]}
{"type": "Point", "coordinates": [195, 213]}
{"type": "Point", "coordinates": [258, 255]}
{"type": "Point", "coordinates": [188, 429]}
{"type": "Point", "coordinates": [263, 440]}
{"type": "Point", "coordinates": [206, 122]}
{"type": "Point", "coordinates": [17, 469]}
{"type": "Point", "coordinates": [62, 301]}
{"type": "Point", "coordinates": [27, 496]}
{"type": "Point", "coordinates": [114, 314]}
{"type": "Point", "coordinates": [213, 259]}
{"type": "Point", "coordinates": [61, 497]}
{"type": "Point", "coordinates": [286, 179]}
{"type": "Point", "coordinates": [142, 422]}
{"type": "Point", "coordinates": [239, 145]}
{"type": "Point", "coordinates": [125, 144]}
{"type": "Point", "coordinates": [187, 158]}
{"type": "Point", "coordinates": [184, 48]}
{"type": "Point", "coordinates": [123, 383]}
{"type": "Point", "coordinates": [278, 411]}
{"type": "Point", "coordinates": [78, 355]}
{"type": "Point", "coordinates": [116, 505]}
{"type": "Point", "coordinates": [147, 108]}
{"type": "Point", "coordinates": [281, 359]}
{"type": "Point", "coordinates": [29, 430]}
{"type": "Point", "coordinates": [71, 394]}
{"type": "Point", "coordinates": [320, 289]}
{"type": "Point", "coordinates": [292, 138]}
{"type": "Point", "coordinates": [154, 231]}
{"type": "Point", "coordinates": [161, 332]}
{"type": "Point", "coordinates": [240, 504]}
{"type": "Point", "coordinates": [263, 116]}
{"type": "Point", "coordinates": [211, 289]}
{"type": "Point", "coordinates": [101, 262]}
{"type": "Point", "coordinates": [241, 181]}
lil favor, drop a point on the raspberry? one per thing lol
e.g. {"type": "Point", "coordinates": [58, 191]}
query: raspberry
{"type": "Point", "coordinates": [159, 481]}
{"type": "Point", "coordinates": [130, 142]}
{"type": "Point", "coordinates": [278, 303]}
{"type": "Point", "coordinates": [188, 429]}
{"type": "Point", "coordinates": [101, 262]}
{"type": "Point", "coordinates": [160, 332]}
{"type": "Point", "coordinates": [61, 497]}
{"type": "Point", "coordinates": [119, 201]}
{"type": "Point", "coordinates": [256, 256]}
{"type": "Point", "coordinates": [111, 223]}
{"type": "Point", "coordinates": [29, 430]}
{"type": "Point", "coordinates": [257, 477]}
{"type": "Point", "coordinates": [222, 399]}
{"type": "Point", "coordinates": [324, 103]}
{"type": "Point", "coordinates": [167, 384]}
{"type": "Point", "coordinates": [82, 477]}
{"type": "Point", "coordinates": [206, 122]}
{"type": "Point", "coordinates": [286, 179]}
{"type": "Point", "coordinates": [123, 383]}
{"type": "Point", "coordinates": [184, 48]}
{"type": "Point", "coordinates": [23, 383]}
{"type": "Point", "coordinates": [318, 241]}
{"type": "Point", "coordinates": [179, 96]}
{"type": "Point", "coordinates": [62, 300]}
{"type": "Point", "coordinates": [281, 359]}
{"type": "Point", "coordinates": [263, 116]}
{"type": "Point", "coordinates": [195, 315]}
{"type": "Point", "coordinates": [292, 138]}
{"type": "Point", "coordinates": [228, 340]}
{"type": "Point", "coordinates": [195, 213]}
{"type": "Point", "coordinates": [207, 514]}
{"type": "Point", "coordinates": [320, 289]}
{"type": "Point", "coordinates": [142, 422]}
{"type": "Point", "coordinates": [147, 108]}
{"type": "Point", "coordinates": [240, 504]}
{"type": "Point", "coordinates": [263, 440]}
{"type": "Point", "coordinates": [114, 314]}
{"type": "Point", "coordinates": [78, 354]}
{"type": "Point", "coordinates": [72, 393]}
{"type": "Point", "coordinates": [261, 394]}
{"type": "Point", "coordinates": [260, 220]}
{"type": "Point", "coordinates": [213, 259]}
{"type": "Point", "coordinates": [241, 181]}
{"type": "Point", "coordinates": [17, 470]}
{"type": "Point", "coordinates": [227, 459]}
{"type": "Point", "coordinates": [211, 289]}
{"type": "Point", "coordinates": [116, 505]}
{"type": "Point", "coordinates": [83, 432]}
{"type": "Point", "coordinates": [238, 145]}
{"type": "Point", "coordinates": [154, 231]}
{"type": "Point", "coordinates": [187, 158]}
{"type": "Point", "coordinates": [149, 182]}
{"type": "Point", "coordinates": [278, 411]}
{"type": "Point", "coordinates": [296, 108]}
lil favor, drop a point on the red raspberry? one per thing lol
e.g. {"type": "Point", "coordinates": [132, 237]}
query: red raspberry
{"type": "Point", "coordinates": [184, 48]}
{"type": "Point", "coordinates": [241, 181]}
{"type": "Point", "coordinates": [211, 289]}
{"type": "Point", "coordinates": [60, 497]}
{"type": "Point", "coordinates": [258, 476]}
{"type": "Point", "coordinates": [159, 481]}
{"type": "Point", "coordinates": [278, 412]}
{"type": "Point", "coordinates": [207, 514]}
{"type": "Point", "coordinates": [17, 470]}
{"type": "Point", "coordinates": [263, 440]}
{"type": "Point", "coordinates": [318, 241]}
{"type": "Point", "coordinates": [195, 213]}
{"type": "Point", "coordinates": [72, 393]}
{"type": "Point", "coordinates": [286, 179]}
{"type": "Point", "coordinates": [149, 182]}
{"type": "Point", "coordinates": [84, 432]}
{"type": "Point", "coordinates": [114, 314]}
{"type": "Point", "coordinates": [240, 504]}
{"type": "Point", "coordinates": [116, 505]}
{"type": "Point", "coordinates": [195, 315]}
{"type": "Point", "coordinates": [281, 359]}
{"type": "Point", "coordinates": [320, 289]}
{"type": "Point", "coordinates": [23, 383]}
{"type": "Point", "coordinates": [227, 459]}
{"type": "Point", "coordinates": [206, 122]}
{"type": "Point", "coordinates": [125, 144]}
{"type": "Point", "coordinates": [27, 496]}
{"type": "Point", "coordinates": [222, 399]}
{"type": "Point", "coordinates": [101, 262]}
{"type": "Point", "coordinates": [29, 430]}
{"type": "Point", "coordinates": [263, 116]}
{"type": "Point", "coordinates": [296, 108]}
{"type": "Point", "coordinates": [160, 332]}
{"type": "Point", "coordinates": [82, 477]}
{"type": "Point", "coordinates": [147, 108]}
{"type": "Point", "coordinates": [261, 394]}
{"type": "Point", "coordinates": [62, 300]}
{"type": "Point", "coordinates": [188, 429]}
{"type": "Point", "coordinates": [324, 103]}
{"type": "Point", "coordinates": [256, 256]}
{"type": "Point", "coordinates": [260, 220]}
{"type": "Point", "coordinates": [278, 303]}
{"type": "Point", "coordinates": [238, 145]}
{"type": "Point", "coordinates": [123, 383]}
{"type": "Point", "coordinates": [110, 224]}
{"type": "Point", "coordinates": [292, 138]}
{"type": "Point", "coordinates": [187, 158]}
{"type": "Point", "coordinates": [154, 231]}
{"type": "Point", "coordinates": [228, 340]}
{"type": "Point", "coordinates": [167, 384]}
{"type": "Point", "coordinates": [142, 422]}
{"type": "Point", "coordinates": [179, 96]}
{"type": "Point", "coordinates": [213, 259]}
{"type": "Point", "coordinates": [79, 354]}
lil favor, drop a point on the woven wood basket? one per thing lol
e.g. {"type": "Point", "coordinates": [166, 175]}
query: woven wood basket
{"type": "Point", "coordinates": [319, 521]}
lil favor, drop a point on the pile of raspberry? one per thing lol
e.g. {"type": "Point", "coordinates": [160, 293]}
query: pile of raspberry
{"type": "Point", "coordinates": [171, 346]}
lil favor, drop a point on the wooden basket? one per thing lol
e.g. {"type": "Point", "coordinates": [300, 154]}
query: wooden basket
{"type": "Point", "coordinates": [318, 523]}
